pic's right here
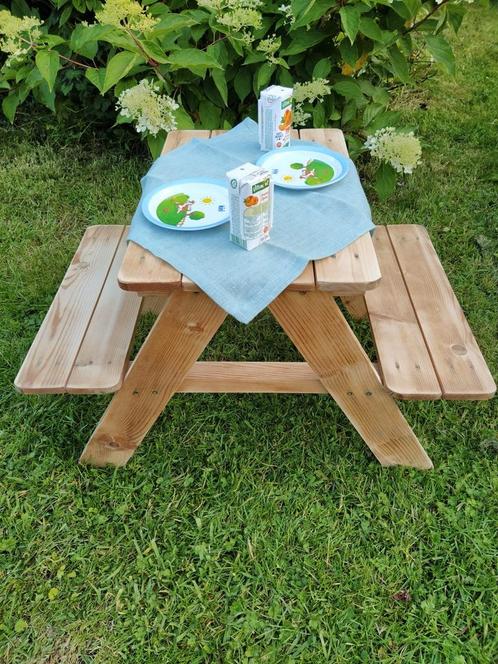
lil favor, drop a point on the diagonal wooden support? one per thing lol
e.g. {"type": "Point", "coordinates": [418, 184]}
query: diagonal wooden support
{"type": "Point", "coordinates": [179, 335]}
{"type": "Point", "coordinates": [315, 324]}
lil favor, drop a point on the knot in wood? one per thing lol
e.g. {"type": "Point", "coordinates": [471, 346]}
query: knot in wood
{"type": "Point", "coordinates": [459, 349]}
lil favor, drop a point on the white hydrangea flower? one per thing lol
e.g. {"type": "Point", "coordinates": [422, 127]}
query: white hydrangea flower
{"type": "Point", "coordinates": [286, 10]}
{"type": "Point", "coordinates": [402, 150]}
{"type": "Point", "coordinates": [311, 91]}
{"type": "Point", "coordinates": [269, 47]}
{"type": "Point", "coordinates": [299, 117]}
{"type": "Point", "coordinates": [19, 35]}
{"type": "Point", "coordinates": [149, 110]}
{"type": "Point", "coordinates": [125, 14]}
{"type": "Point", "coordinates": [237, 15]}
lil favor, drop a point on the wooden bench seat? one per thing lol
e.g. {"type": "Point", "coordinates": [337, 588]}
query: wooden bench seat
{"type": "Point", "coordinates": [84, 341]}
{"type": "Point", "coordinates": [425, 347]}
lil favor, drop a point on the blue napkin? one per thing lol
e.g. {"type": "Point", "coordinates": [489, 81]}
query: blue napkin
{"type": "Point", "coordinates": [307, 225]}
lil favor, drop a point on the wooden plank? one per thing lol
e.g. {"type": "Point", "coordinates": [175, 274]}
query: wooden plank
{"type": "Point", "coordinates": [305, 281]}
{"type": "Point", "coordinates": [245, 377]}
{"type": "Point", "coordinates": [49, 361]}
{"type": "Point", "coordinates": [314, 323]}
{"type": "Point", "coordinates": [178, 337]}
{"type": "Point", "coordinates": [181, 136]}
{"type": "Point", "coordinates": [102, 359]}
{"type": "Point", "coordinates": [459, 364]}
{"type": "Point", "coordinates": [354, 269]}
{"type": "Point", "coordinates": [259, 377]}
{"type": "Point", "coordinates": [404, 360]}
{"type": "Point", "coordinates": [153, 304]}
{"type": "Point", "coordinates": [142, 272]}
{"type": "Point", "coordinates": [355, 304]}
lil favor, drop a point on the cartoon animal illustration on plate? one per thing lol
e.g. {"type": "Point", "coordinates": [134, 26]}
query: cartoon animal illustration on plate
{"type": "Point", "coordinates": [175, 210]}
{"type": "Point", "coordinates": [314, 172]}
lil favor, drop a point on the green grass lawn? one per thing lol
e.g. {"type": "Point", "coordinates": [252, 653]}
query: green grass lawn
{"type": "Point", "coordinates": [252, 528]}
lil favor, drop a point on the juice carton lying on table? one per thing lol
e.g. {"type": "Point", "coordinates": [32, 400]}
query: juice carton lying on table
{"type": "Point", "coordinates": [251, 205]}
{"type": "Point", "coordinates": [275, 117]}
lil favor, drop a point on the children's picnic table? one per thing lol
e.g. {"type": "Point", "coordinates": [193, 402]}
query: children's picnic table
{"type": "Point", "coordinates": [425, 347]}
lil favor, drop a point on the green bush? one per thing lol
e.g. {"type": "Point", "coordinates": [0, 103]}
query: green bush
{"type": "Point", "coordinates": [202, 64]}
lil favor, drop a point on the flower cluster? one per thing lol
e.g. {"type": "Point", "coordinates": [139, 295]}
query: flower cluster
{"type": "Point", "coordinates": [237, 15]}
{"type": "Point", "coordinates": [19, 34]}
{"type": "Point", "coordinates": [269, 47]}
{"type": "Point", "coordinates": [310, 91]}
{"type": "Point", "coordinates": [402, 150]}
{"type": "Point", "coordinates": [125, 14]}
{"type": "Point", "coordinates": [286, 10]}
{"type": "Point", "coordinates": [149, 110]}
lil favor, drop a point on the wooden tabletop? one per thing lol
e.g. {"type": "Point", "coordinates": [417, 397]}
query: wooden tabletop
{"type": "Point", "coordinates": [351, 271]}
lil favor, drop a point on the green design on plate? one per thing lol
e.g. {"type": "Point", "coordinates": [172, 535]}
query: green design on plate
{"type": "Point", "coordinates": [174, 210]}
{"type": "Point", "coordinates": [314, 172]}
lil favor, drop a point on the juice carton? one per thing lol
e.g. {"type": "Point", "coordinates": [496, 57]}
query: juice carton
{"type": "Point", "coordinates": [275, 117]}
{"type": "Point", "coordinates": [251, 205]}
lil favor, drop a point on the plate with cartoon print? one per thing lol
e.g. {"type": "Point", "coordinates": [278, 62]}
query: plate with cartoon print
{"type": "Point", "coordinates": [188, 205]}
{"type": "Point", "coordinates": [304, 167]}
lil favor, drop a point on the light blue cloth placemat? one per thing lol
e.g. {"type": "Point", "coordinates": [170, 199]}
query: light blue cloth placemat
{"type": "Point", "coordinates": [307, 225]}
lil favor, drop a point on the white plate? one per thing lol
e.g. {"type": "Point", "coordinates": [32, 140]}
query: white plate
{"type": "Point", "coordinates": [304, 167]}
{"type": "Point", "coordinates": [188, 205]}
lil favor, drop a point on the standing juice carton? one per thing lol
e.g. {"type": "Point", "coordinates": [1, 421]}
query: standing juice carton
{"type": "Point", "coordinates": [251, 205]}
{"type": "Point", "coordinates": [275, 117]}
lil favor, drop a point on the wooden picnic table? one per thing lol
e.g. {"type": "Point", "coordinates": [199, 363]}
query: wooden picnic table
{"type": "Point", "coordinates": [425, 347]}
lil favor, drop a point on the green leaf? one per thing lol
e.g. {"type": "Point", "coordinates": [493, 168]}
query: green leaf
{"type": "Point", "coordinates": [349, 52]}
{"type": "Point", "coordinates": [384, 119]}
{"type": "Point", "coordinates": [399, 64]}
{"type": "Point", "coordinates": [97, 77]}
{"type": "Point", "coordinates": [221, 83]}
{"type": "Point", "coordinates": [322, 68]}
{"type": "Point", "coordinates": [9, 106]}
{"type": "Point", "coordinates": [370, 29]}
{"type": "Point", "coordinates": [348, 89]}
{"type": "Point", "coordinates": [118, 67]}
{"type": "Point", "coordinates": [263, 76]}
{"type": "Point", "coordinates": [48, 63]}
{"type": "Point", "coordinates": [441, 51]}
{"type": "Point", "coordinates": [242, 83]}
{"type": "Point", "coordinates": [52, 40]}
{"type": "Point", "coordinates": [154, 51]}
{"type": "Point", "coordinates": [183, 119]}
{"type": "Point", "coordinates": [89, 33]}
{"type": "Point", "coordinates": [413, 7]}
{"type": "Point", "coordinates": [307, 11]}
{"type": "Point", "coordinates": [302, 40]}
{"type": "Point", "coordinates": [385, 180]}
{"type": "Point", "coordinates": [45, 96]}
{"type": "Point", "coordinates": [455, 16]}
{"type": "Point", "coordinates": [319, 115]}
{"type": "Point", "coordinates": [172, 23]}
{"type": "Point", "coordinates": [192, 58]}
{"type": "Point", "coordinates": [210, 115]}
{"type": "Point", "coordinates": [155, 143]}
{"type": "Point", "coordinates": [350, 19]}
{"type": "Point", "coordinates": [65, 15]}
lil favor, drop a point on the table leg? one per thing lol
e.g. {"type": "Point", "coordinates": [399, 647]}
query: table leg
{"type": "Point", "coordinates": [181, 332]}
{"type": "Point", "coordinates": [355, 304]}
{"type": "Point", "coordinates": [315, 324]}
